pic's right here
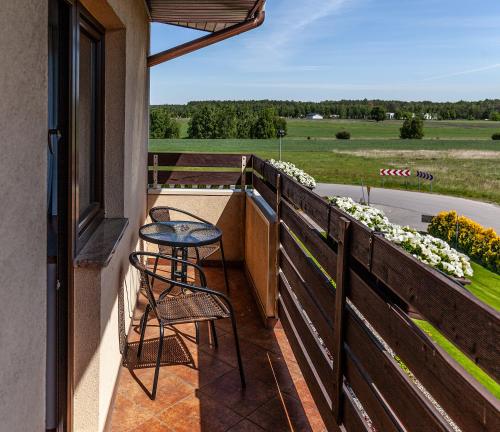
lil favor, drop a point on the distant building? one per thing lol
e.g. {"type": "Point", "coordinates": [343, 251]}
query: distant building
{"type": "Point", "coordinates": [428, 116]}
{"type": "Point", "coordinates": [390, 116]}
{"type": "Point", "coordinates": [314, 116]}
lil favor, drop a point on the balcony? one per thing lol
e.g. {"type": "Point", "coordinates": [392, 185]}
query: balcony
{"type": "Point", "coordinates": [323, 310]}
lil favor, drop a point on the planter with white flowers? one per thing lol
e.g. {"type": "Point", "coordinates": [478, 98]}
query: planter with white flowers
{"type": "Point", "coordinates": [424, 247]}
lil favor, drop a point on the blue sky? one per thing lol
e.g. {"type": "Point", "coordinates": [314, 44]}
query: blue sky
{"type": "Point", "coordinates": [440, 50]}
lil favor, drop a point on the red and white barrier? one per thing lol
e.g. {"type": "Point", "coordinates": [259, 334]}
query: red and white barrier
{"type": "Point", "coordinates": [395, 172]}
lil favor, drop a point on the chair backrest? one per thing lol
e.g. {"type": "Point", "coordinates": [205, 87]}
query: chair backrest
{"type": "Point", "coordinates": [145, 285]}
{"type": "Point", "coordinates": [160, 214]}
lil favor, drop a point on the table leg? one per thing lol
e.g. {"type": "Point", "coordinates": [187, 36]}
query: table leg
{"type": "Point", "coordinates": [173, 265]}
{"type": "Point", "coordinates": [184, 265]}
{"type": "Point", "coordinates": [224, 267]}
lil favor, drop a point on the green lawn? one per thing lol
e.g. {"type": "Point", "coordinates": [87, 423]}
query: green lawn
{"type": "Point", "coordinates": [466, 168]}
{"type": "Point", "coordinates": [460, 358]}
{"type": "Point", "coordinates": [485, 286]}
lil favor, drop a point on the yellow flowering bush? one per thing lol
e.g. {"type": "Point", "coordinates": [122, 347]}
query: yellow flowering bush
{"type": "Point", "coordinates": [482, 244]}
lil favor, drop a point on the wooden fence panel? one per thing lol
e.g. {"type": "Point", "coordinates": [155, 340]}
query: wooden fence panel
{"type": "Point", "coordinates": [465, 320]}
{"type": "Point", "coordinates": [199, 177]}
{"type": "Point", "coordinates": [265, 190]}
{"type": "Point", "coordinates": [321, 399]}
{"type": "Point", "coordinates": [413, 409]}
{"type": "Point", "coordinates": [309, 339]}
{"type": "Point", "coordinates": [313, 277]}
{"type": "Point", "coordinates": [314, 309]}
{"type": "Point", "coordinates": [475, 409]}
{"type": "Point", "coordinates": [312, 239]}
{"type": "Point", "coordinates": [206, 160]}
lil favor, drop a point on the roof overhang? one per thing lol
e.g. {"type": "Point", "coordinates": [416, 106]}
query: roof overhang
{"type": "Point", "coordinates": [222, 19]}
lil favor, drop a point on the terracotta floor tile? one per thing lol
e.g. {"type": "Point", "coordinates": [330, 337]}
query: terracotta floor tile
{"type": "Point", "coordinates": [246, 426]}
{"type": "Point", "coordinates": [277, 416]}
{"type": "Point", "coordinates": [199, 414]}
{"type": "Point", "coordinates": [152, 425]}
{"type": "Point", "coordinates": [171, 388]}
{"type": "Point", "coordinates": [207, 369]}
{"type": "Point", "coordinates": [127, 415]}
{"type": "Point", "coordinates": [227, 389]}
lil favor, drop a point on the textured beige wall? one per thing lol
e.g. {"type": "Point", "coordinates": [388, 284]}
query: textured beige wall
{"type": "Point", "coordinates": [260, 254]}
{"type": "Point", "coordinates": [223, 208]}
{"type": "Point", "coordinates": [104, 297]}
{"type": "Point", "coordinates": [23, 167]}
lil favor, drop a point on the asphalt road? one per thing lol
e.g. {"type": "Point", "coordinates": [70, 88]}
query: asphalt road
{"type": "Point", "coordinates": [407, 207]}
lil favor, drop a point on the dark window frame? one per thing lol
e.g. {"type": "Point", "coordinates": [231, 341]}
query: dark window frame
{"type": "Point", "coordinates": [93, 215]}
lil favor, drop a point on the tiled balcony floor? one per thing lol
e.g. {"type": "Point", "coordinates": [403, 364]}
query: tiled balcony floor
{"type": "Point", "coordinates": [199, 387]}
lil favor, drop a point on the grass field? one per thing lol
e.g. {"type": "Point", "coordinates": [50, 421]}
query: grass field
{"type": "Point", "coordinates": [326, 129]}
{"type": "Point", "coordinates": [460, 157]}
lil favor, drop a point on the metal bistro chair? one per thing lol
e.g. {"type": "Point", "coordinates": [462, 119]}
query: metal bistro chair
{"type": "Point", "coordinates": [193, 305]}
{"type": "Point", "coordinates": [199, 253]}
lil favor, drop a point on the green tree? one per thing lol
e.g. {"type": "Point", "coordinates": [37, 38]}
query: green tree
{"type": "Point", "coordinates": [280, 123]}
{"type": "Point", "coordinates": [162, 125]}
{"type": "Point", "coordinates": [226, 125]}
{"type": "Point", "coordinates": [265, 126]}
{"type": "Point", "coordinates": [413, 128]}
{"type": "Point", "coordinates": [377, 113]}
{"type": "Point", "coordinates": [495, 116]}
{"type": "Point", "coordinates": [202, 124]}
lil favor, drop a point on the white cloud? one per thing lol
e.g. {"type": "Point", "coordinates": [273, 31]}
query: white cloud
{"type": "Point", "coordinates": [464, 72]}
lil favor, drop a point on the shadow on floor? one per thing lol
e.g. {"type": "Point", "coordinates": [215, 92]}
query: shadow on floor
{"type": "Point", "coordinates": [199, 387]}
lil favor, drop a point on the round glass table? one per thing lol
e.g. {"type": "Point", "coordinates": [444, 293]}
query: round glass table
{"type": "Point", "coordinates": [180, 236]}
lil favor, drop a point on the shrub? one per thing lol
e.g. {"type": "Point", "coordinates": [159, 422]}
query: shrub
{"type": "Point", "coordinates": [413, 128]}
{"type": "Point", "coordinates": [495, 136]}
{"type": "Point", "coordinates": [343, 135]}
{"type": "Point", "coordinates": [482, 244]}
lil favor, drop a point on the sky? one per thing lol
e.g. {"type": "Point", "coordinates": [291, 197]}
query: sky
{"type": "Point", "coordinates": [313, 50]}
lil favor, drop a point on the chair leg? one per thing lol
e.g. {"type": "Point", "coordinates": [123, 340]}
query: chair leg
{"type": "Point", "coordinates": [158, 362]}
{"type": "Point", "coordinates": [144, 323]}
{"type": "Point", "coordinates": [224, 267]}
{"type": "Point", "coordinates": [154, 270]}
{"type": "Point", "coordinates": [214, 334]}
{"type": "Point", "coordinates": [238, 353]}
{"type": "Point", "coordinates": [197, 335]}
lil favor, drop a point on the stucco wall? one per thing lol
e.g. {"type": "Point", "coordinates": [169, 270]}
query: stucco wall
{"type": "Point", "coordinates": [111, 291]}
{"type": "Point", "coordinates": [23, 149]}
{"type": "Point", "coordinates": [223, 208]}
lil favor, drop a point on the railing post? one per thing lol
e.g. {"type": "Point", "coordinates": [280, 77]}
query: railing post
{"type": "Point", "coordinates": [155, 171]}
{"type": "Point", "coordinates": [243, 171]}
{"type": "Point", "coordinates": [278, 240]}
{"type": "Point", "coordinates": [338, 325]}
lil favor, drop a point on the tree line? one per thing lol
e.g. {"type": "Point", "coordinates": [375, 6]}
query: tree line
{"type": "Point", "coordinates": [209, 121]}
{"type": "Point", "coordinates": [351, 109]}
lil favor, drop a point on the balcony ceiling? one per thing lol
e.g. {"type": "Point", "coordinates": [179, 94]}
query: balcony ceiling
{"type": "Point", "coordinates": [207, 15]}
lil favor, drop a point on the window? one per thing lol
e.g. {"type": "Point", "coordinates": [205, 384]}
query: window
{"type": "Point", "coordinates": [89, 136]}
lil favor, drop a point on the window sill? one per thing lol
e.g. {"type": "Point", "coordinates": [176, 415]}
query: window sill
{"type": "Point", "coordinates": [102, 244]}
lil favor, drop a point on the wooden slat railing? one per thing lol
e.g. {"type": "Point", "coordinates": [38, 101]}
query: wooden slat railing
{"type": "Point", "coordinates": [345, 340]}
{"type": "Point", "coordinates": [185, 169]}
{"type": "Point", "coordinates": [379, 279]}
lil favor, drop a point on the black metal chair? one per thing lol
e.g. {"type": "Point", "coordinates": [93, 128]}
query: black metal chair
{"type": "Point", "coordinates": [164, 214]}
{"type": "Point", "coordinates": [193, 304]}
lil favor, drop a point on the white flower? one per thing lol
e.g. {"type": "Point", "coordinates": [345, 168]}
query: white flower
{"type": "Point", "coordinates": [426, 248]}
{"type": "Point", "coordinates": [291, 170]}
